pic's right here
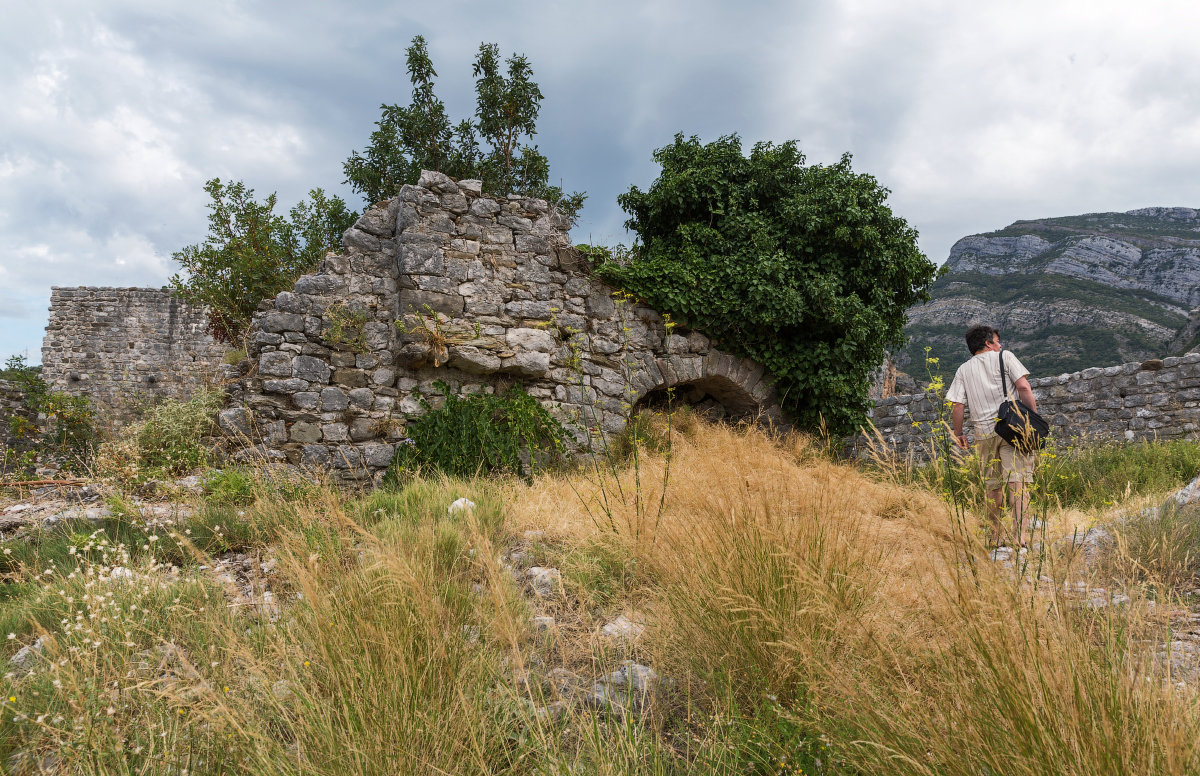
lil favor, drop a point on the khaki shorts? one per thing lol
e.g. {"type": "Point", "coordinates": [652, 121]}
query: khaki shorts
{"type": "Point", "coordinates": [1000, 462]}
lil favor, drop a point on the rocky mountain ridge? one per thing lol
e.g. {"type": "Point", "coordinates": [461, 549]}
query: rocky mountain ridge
{"type": "Point", "coordinates": [1068, 293]}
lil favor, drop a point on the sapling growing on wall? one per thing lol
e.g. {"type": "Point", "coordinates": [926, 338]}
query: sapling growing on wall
{"type": "Point", "coordinates": [421, 136]}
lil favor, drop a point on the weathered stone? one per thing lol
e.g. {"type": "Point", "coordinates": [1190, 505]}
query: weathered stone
{"type": "Point", "coordinates": [305, 400]}
{"type": "Point", "coordinates": [235, 421]}
{"type": "Point", "coordinates": [315, 455]}
{"type": "Point", "coordinates": [362, 429]}
{"type": "Point", "coordinates": [304, 432]}
{"type": "Point", "coordinates": [280, 322]}
{"type": "Point", "coordinates": [275, 364]}
{"type": "Point", "coordinates": [437, 181]}
{"type": "Point", "coordinates": [531, 339]}
{"type": "Point", "coordinates": [473, 360]}
{"type": "Point", "coordinates": [290, 385]}
{"type": "Point", "coordinates": [485, 207]}
{"type": "Point", "coordinates": [362, 398]}
{"type": "Point", "coordinates": [527, 364]}
{"type": "Point", "coordinates": [377, 455]}
{"type": "Point", "coordinates": [419, 302]}
{"type": "Point", "coordinates": [350, 378]}
{"type": "Point", "coordinates": [334, 400]}
{"type": "Point", "coordinates": [311, 369]}
{"type": "Point", "coordinates": [334, 432]}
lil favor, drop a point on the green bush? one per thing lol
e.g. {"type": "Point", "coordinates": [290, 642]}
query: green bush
{"type": "Point", "coordinates": [230, 487]}
{"type": "Point", "coordinates": [480, 434]}
{"type": "Point", "coordinates": [171, 437]}
{"type": "Point", "coordinates": [803, 268]}
{"type": "Point", "coordinates": [69, 431]}
{"type": "Point", "coordinates": [168, 441]}
{"type": "Point", "coordinates": [252, 253]}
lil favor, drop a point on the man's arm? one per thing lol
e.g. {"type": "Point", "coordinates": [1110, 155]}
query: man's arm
{"type": "Point", "coordinates": [1025, 393]}
{"type": "Point", "coordinates": [956, 416]}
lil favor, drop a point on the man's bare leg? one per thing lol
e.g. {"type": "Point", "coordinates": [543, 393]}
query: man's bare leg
{"type": "Point", "coordinates": [995, 507]}
{"type": "Point", "coordinates": [1019, 496]}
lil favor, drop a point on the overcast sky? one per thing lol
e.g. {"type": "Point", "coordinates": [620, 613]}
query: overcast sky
{"type": "Point", "coordinates": [115, 112]}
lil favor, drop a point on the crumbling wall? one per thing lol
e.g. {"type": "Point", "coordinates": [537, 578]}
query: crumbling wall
{"type": "Point", "coordinates": [443, 284]}
{"type": "Point", "coordinates": [12, 413]}
{"type": "Point", "coordinates": [123, 347]}
{"type": "Point", "coordinates": [1157, 399]}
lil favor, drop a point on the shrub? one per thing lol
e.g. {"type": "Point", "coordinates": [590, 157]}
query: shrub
{"type": "Point", "coordinates": [169, 440]}
{"type": "Point", "coordinates": [69, 430]}
{"type": "Point", "coordinates": [252, 253]}
{"type": "Point", "coordinates": [805, 269]}
{"type": "Point", "coordinates": [481, 434]}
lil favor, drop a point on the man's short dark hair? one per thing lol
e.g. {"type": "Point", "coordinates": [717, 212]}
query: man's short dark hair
{"type": "Point", "coordinates": [979, 336]}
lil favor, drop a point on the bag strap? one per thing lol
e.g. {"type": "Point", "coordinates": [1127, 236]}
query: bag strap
{"type": "Point", "coordinates": [1003, 381]}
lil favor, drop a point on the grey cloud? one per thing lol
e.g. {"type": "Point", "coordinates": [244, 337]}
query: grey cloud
{"type": "Point", "coordinates": [118, 112]}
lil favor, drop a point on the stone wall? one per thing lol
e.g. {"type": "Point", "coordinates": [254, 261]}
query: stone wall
{"type": "Point", "coordinates": [444, 284]}
{"type": "Point", "coordinates": [122, 347]}
{"type": "Point", "coordinates": [1157, 399]}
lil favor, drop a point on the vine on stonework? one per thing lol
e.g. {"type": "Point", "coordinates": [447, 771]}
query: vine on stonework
{"type": "Point", "coordinates": [803, 268]}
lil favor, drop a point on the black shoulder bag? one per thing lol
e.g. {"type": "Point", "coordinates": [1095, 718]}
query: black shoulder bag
{"type": "Point", "coordinates": [1016, 423]}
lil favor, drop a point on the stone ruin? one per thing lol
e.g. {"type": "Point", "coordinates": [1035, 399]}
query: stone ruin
{"type": "Point", "coordinates": [446, 285]}
{"type": "Point", "coordinates": [126, 347]}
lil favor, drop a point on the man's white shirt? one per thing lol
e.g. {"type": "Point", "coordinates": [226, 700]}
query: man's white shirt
{"type": "Point", "coordinates": [977, 385]}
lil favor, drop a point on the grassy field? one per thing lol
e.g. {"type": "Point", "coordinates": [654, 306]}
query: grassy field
{"type": "Point", "coordinates": [803, 615]}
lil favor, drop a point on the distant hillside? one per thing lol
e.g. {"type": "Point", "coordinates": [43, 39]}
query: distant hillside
{"type": "Point", "coordinates": [1069, 293]}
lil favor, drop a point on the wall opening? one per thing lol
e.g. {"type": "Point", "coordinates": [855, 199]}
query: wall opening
{"type": "Point", "coordinates": [716, 398]}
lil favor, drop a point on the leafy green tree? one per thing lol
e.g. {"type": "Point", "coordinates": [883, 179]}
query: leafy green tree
{"type": "Point", "coordinates": [421, 136]}
{"type": "Point", "coordinates": [802, 268]}
{"type": "Point", "coordinates": [252, 253]}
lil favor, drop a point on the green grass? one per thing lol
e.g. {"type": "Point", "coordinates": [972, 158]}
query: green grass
{"type": "Point", "coordinates": [789, 639]}
{"type": "Point", "coordinates": [1096, 476]}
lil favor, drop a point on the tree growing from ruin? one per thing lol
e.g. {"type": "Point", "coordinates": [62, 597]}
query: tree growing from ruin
{"type": "Point", "coordinates": [421, 136]}
{"type": "Point", "coordinates": [252, 253]}
{"type": "Point", "coordinates": [803, 268]}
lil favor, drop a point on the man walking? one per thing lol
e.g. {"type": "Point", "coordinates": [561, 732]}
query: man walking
{"type": "Point", "coordinates": [1006, 470]}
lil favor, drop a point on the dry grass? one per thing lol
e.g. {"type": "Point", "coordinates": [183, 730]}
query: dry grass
{"type": "Point", "coordinates": [869, 607]}
{"type": "Point", "coordinates": [803, 609]}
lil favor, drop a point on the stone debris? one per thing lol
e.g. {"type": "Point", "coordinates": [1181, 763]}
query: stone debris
{"type": "Point", "coordinates": [282, 690]}
{"type": "Point", "coordinates": [1180, 661]}
{"type": "Point", "coordinates": [246, 583]}
{"type": "Point", "coordinates": [623, 627]}
{"type": "Point", "coordinates": [634, 677]}
{"type": "Point", "coordinates": [544, 581]}
{"type": "Point", "coordinates": [26, 658]}
{"type": "Point", "coordinates": [520, 558]}
{"type": "Point", "coordinates": [543, 624]}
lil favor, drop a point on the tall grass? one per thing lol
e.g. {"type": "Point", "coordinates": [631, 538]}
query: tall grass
{"type": "Point", "coordinates": [809, 617]}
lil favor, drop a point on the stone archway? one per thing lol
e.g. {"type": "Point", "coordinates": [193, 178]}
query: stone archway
{"type": "Point", "coordinates": [720, 385]}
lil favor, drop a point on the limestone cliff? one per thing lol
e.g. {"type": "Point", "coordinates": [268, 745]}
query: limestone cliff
{"type": "Point", "coordinates": [1069, 293]}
